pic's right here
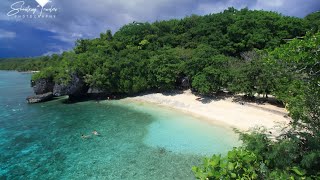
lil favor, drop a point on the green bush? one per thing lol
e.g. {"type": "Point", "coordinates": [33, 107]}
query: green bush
{"type": "Point", "coordinates": [47, 73]}
{"type": "Point", "coordinates": [238, 164]}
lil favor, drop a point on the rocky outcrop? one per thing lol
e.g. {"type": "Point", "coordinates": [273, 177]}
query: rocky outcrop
{"type": "Point", "coordinates": [42, 86]}
{"type": "Point", "coordinates": [98, 94]}
{"type": "Point", "coordinates": [40, 98]}
{"type": "Point", "coordinates": [76, 87]}
{"type": "Point", "coordinates": [92, 90]}
{"type": "Point", "coordinates": [46, 89]}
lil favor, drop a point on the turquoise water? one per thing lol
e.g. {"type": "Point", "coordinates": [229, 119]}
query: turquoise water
{"type": "Point", "coordinates": [138, 140]}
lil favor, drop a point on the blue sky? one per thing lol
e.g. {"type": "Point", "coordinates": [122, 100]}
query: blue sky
{"type": "Point", "coordinates": [74, 19]}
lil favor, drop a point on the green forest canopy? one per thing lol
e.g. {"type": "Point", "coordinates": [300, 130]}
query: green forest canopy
{"type": "Point", "coordinates": [144, 56]}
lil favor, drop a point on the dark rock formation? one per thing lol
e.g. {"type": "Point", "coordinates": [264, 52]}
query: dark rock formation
{"type": "Point", "coordinates": [98, 94]}
{"type": "Point", "coordinates": [40, 98]}
{"type": "Point", "coordinates": [42, 86]}
{"type": "Point", "coordinates": [46, 89]}
{"type": "Point", "coordinates": [185, 82]}
{"type": "Point", "coordinates": [95, 91]}
{"type": "Point", "coordinates": [76, 87]}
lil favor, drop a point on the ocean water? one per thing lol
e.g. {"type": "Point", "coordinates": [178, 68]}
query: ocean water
{"type": "Point", "coordinates": [138, 140]}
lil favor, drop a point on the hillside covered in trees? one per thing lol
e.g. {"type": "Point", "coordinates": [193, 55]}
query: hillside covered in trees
{"type": "Point", "coordinates": [29, 64]}
{"type": "Point", "coordinates": [239, 51]}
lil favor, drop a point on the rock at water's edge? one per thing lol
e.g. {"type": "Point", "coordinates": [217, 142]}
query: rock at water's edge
{"type": "Point", "coordinates": [46, 89]}
{"type": "Point", "coordinates": [42, 86]}
{"type": "Point", "coordinates": [40, 98]}
{"type": "Point", "coordinates": [76, 87]}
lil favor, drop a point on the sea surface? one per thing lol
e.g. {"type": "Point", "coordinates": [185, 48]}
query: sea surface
{"type": "Point", "coordinates": [138, 140]}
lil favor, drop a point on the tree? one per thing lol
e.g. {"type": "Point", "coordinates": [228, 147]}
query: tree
{"type": "Point", "coordinates": [296, 153]}
{"type": "Point", "coordinates": [313, 21]}
{"type": "Point", "coordinates": [214, 76]}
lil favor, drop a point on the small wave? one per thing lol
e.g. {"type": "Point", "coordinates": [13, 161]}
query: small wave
{"type": "Point", "coordinates": [16, 110]}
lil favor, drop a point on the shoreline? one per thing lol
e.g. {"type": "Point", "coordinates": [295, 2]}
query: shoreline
{"type": "Point", "coordinates": [199, 117]}
{"type": "Point", "coordinates": [224, 112]}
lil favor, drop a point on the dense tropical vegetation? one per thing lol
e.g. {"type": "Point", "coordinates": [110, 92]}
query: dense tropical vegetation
{"type": "Point", "coordinates": [29, 64]}
{"type": "Point", "coordinates": [295, 80]}
{"type": "Point", "coordinates": [240, 51]}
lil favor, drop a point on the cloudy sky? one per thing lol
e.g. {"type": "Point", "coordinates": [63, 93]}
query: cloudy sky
{"type": "Point", "coordinates": [23, 33]}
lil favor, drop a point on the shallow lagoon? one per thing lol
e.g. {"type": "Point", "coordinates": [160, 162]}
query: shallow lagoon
{"type": "Point", "coordinates": [138, 140]}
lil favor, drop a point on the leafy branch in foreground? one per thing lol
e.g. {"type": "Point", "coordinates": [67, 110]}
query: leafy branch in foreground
{"type": "Point", "coordinates": [239, 163]}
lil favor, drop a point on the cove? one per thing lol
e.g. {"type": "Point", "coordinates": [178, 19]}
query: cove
{"type": "Point", "coordinates": [138, 140]}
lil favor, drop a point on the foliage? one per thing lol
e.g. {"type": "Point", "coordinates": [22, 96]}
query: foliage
{"type": "Point", "coordinates": [144, 56]}
{"type": "Point", "coordinates": [29, 64]}
{"type": "Point", "coordinates": [259, 158]}
{"type": "Point", "coordinates": [214, 76]}
{"type": "Point", "coordinates": [48, 73]}
{"type": "Point", "coordinates": [239, 163]}
{"type": "Point", "coordinates": [313, 21]}
{"type": "Point", "coordinates": [300, 60]}
{"type": "Point", "coordinates": [296, 153]}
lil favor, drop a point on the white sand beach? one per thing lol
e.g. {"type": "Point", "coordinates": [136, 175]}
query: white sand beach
{"type": "Point", "coordinates": [223, 111]}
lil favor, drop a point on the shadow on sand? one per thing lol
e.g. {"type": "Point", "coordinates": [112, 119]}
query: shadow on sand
{"type": "Point", "coordinates": [258, 100]}
{"type": "Point", "coordinates": [205, 99]}
{"type": "Point", "coordinates": [218, 96]}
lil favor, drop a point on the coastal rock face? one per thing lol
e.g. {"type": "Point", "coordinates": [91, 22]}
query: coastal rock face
{"type": "Point", "coordinates": [92, 90]}
{"type": "Point", "coordinates": [42, 86]}
{"type": "Point", "coordinates": [46, 89]}
{"type": "Point", "coordinates": [76, 87]}
{"type": "Point", "coordinates": [40, 98]}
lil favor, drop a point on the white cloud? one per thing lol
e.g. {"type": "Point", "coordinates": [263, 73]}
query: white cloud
{"type": "Point", "coordinates": [49, 53]}
{"type": "Point", "coordinates": [65, 38]}
{"type": "Point", "coordinates": [219, 6]}
{"type": "Point", "coordinates": [54, 49]}
{"type": "Point", "coordinates": [270, 3]}
{"type": "Point", "coordinates": [289, 7]}
{"type": "Point", "coordinates": [7, 34]}
{"type": "Point", "coordinates": [87, 19]}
